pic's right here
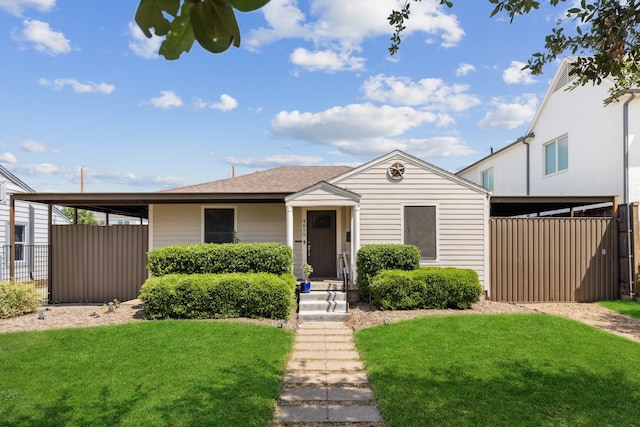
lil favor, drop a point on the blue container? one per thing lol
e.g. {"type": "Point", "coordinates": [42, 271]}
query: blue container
{"type": "Point", "coordinates": [305, 288]}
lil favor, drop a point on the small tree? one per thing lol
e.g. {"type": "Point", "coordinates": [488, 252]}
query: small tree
{"type": "Point", "coordinates": [84, 216]}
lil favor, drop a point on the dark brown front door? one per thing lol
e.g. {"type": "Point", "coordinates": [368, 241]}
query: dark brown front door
{"type": "Point", "coordinates": [321, 243]}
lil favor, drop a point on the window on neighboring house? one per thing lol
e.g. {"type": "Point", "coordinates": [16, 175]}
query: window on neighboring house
{"type": "Point", "coordinates": [219, 225]}
{"type": "Point", "coordinates": [420, 229]}
{"type": "Point", "coordinates": [20, 241]}
{"type": "Point", "coordinates": [556, 156]}
{"type": "Point", "coordinates": [487, 179]}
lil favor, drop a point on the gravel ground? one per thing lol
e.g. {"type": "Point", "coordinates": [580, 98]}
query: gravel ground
{"type": "Point", "coordinates": [362, 316]}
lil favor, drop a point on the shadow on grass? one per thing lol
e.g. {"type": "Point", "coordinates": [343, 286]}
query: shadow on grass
{"type": "Point", "coordinates": [520, 396]}
{"type": "Point", "coordinates": [236, 401]}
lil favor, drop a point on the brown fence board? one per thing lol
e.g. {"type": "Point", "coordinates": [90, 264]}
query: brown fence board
{"type": "Point", "coordinates": [98, 264]}
{"type": "Point", "coordinates": [553, 259]}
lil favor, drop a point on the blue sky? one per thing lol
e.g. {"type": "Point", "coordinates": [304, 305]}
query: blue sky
{"type": "Point", "coordinates": [312, 84]}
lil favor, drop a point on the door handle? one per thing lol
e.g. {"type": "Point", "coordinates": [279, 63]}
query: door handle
{"type": "Point", "coordinates": [308, 249]}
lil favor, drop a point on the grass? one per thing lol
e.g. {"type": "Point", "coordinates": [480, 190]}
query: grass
{"type": "Point", "coordinates": [630, 308]}
{"type": "Point", "coordinates": [164, 373]}
{"type": "Point", "coordinates": [501, 370]}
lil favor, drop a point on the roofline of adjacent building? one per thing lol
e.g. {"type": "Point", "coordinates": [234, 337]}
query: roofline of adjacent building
{"type": "Point", "coordinates": [520, 140]}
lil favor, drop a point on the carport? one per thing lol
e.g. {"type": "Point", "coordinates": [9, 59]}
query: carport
{"type": "Point", "coordinates": [560, 248]}
{"type": "Point", "coordinates": [101, 263]}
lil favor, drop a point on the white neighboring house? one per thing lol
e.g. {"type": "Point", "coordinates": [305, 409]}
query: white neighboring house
{"type": "Point", "coordinates": [31, 231]}
{"type": "Point", "coordinates": [575, 146]}
{"type": "Point", "coordinates": [115, 219]}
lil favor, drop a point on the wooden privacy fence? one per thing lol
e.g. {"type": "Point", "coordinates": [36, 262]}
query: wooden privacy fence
{"type": "Point", "coordinates": [97, 263]}
{"type": "Point", "coordinates": [553, 259]}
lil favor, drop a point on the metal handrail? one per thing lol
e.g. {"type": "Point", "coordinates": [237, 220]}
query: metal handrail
{"type": "Point", "coordinates": [345, 277]}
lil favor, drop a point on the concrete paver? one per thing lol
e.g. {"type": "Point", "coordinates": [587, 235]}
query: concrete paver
{"type": "Point", "coordinates": [325, 380]}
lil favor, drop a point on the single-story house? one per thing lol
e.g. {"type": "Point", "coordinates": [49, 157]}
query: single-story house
{"type": "Point", "coordinates": [321, 212]}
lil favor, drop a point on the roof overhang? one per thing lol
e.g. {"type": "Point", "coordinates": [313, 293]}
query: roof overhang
{"type": "Point", "coordinates": [137, 204]}
{"type": "Point", "coordinates": [523, 205]}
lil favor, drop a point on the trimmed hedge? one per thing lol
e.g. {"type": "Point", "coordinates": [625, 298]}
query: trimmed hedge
{"type": "Point", "coordinates": [378, 257]}
{"type": "Point", "coordinates": [217, 296]}
{"type": "Point", "coordinates": [206, 258]}
{"type": "Point", "coordinates": [430, 287]}
{"type": "Point", "coordinates": [18, 298]}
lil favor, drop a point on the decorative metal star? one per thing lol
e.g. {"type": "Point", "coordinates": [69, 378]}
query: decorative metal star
{"type": "Point", "coordinates": [396, 170]}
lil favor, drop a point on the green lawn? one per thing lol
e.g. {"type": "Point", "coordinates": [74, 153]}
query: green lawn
{"type": "Point", "coordinates": [630, 308]}
{"type": "Point", "coordinates": [501, 370]}
{"type": "Point", "coordinates": [163, 373]}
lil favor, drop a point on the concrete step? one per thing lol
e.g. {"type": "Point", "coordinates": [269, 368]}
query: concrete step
{"type": "Point", "coordinates": [326, 286]}
{"type": "Point", "coordinates": [323, 296]}
{"type": "Point", "coordinates": [322, 316]}
{"type": "Point", "coordinates": [328, 306]}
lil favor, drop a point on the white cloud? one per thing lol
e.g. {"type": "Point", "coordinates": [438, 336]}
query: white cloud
{"type": "Point", "coordinates": [274, 161]}
{"type": "Point", "coordinates": [365, 129]}
{"type": "Point", "coordinates": [167, 99]}
{"type": "Point", "coordinates": [93, 176]}
{"type": "Point", "coordinates": [8, 158]}
{"type": "Point", "coordinates": [78, 87]}
{"type": "Point", "coordinates": [430, 93]}
{"type": "Point", "coordinates": [464, 69]}
{"type": "Point", "coordinates": [510, 114]}
{"type": "Point", "coordinates": [16, 7]}
{"type": "Point", "coordinates": [129, 178]}
{"type": "Point", "coordinates": [141, 45]}
{"type": "Point", "coordinates": [337, 28]}
{"type": "Point", "coordinates": [40, 169]}
{"type": "Point", "coordinates": [31, 146]}
{"type": "Point", "coordinates": [226, 103]}
{"type": "Point", "coordinates": [326, 60]}
{"type": "Point", "coordinates": [44, 38]}
{"type": "Point", "coordinates": [516, 75]}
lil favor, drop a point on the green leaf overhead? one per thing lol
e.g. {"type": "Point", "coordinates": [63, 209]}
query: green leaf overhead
{"type": "Point", "coordinates": [150, 14]}
{"type": "Point", "coordinates": [247, 5]}
{"type": "Point", "coordinates": [214, 25]}
{"type": "Point", "coordinates": [181, 37]}
{"type": "Point", "coordinates": [604, 35]}
{"type": "Point", "coordinates": [211, 22]}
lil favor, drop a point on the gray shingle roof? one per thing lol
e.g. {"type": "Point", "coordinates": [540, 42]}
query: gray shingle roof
{"type": "Point", "coordinates": [284, 179]}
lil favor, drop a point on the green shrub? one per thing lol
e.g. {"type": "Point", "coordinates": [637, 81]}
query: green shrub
{"type": "Point", "coordinates": [206, 258]}
{"type": "Point", "coordinates": [215, 296]}
{"type": "Point", "coordinates": [375, 258]}
{"type": "Point", "coordinates": [17, 298]}
{"type": "Point", "coordinates": [430, 287]}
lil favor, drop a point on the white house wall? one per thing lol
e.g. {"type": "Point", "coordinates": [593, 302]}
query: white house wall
{"type": "Point", "coordinates": [35, 217]}
{"type": "Point", "coordinates": [181, 224]}
{"type": "Point", "coordinates": [595, 148]}
{"type": "Point", "coordinates": [509, 171]}
{"type": "Point", "coordinates": [594, 140]}
{"type": "Point", "coordinates": [461, 212]}
{"type": "Point", "coordinates": [634, 150]}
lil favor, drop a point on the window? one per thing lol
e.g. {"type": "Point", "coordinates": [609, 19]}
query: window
{"type": "Point", "coordinates": [20, 241]}
{"type": "Point", "coordinates": [420, 229]}
{"type": "Point", "coordinates": [556, 156]}
{"type": "Point", "coordinates": [219, 225]}
{"type": "Point", "coordinates": [487, 179]}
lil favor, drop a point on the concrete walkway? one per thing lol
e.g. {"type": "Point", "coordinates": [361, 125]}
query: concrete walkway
{"type": "Point", "coordinates": [325, 381]}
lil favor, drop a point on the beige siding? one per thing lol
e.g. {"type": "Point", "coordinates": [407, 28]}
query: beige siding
{"type": "Point", "coordinates": [182, 224]}
{"type": "Point", "coordinates": [461, 211]}
{"type": "Point", "coordinates": [261, 223]}
{"type": "Point", "coordinates": [176, 225]}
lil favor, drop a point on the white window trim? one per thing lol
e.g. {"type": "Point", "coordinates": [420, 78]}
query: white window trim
{"type": "Point", "coordinates": [492, 178]}
{"type": "Point", "coordinates": [423, 261]}
{"type": "Point", "coordinates": [27, 232]}
{"type": "Point", "coordinates": [544, 156]}
{"type": "Point", "coordinates": [204, 207]}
